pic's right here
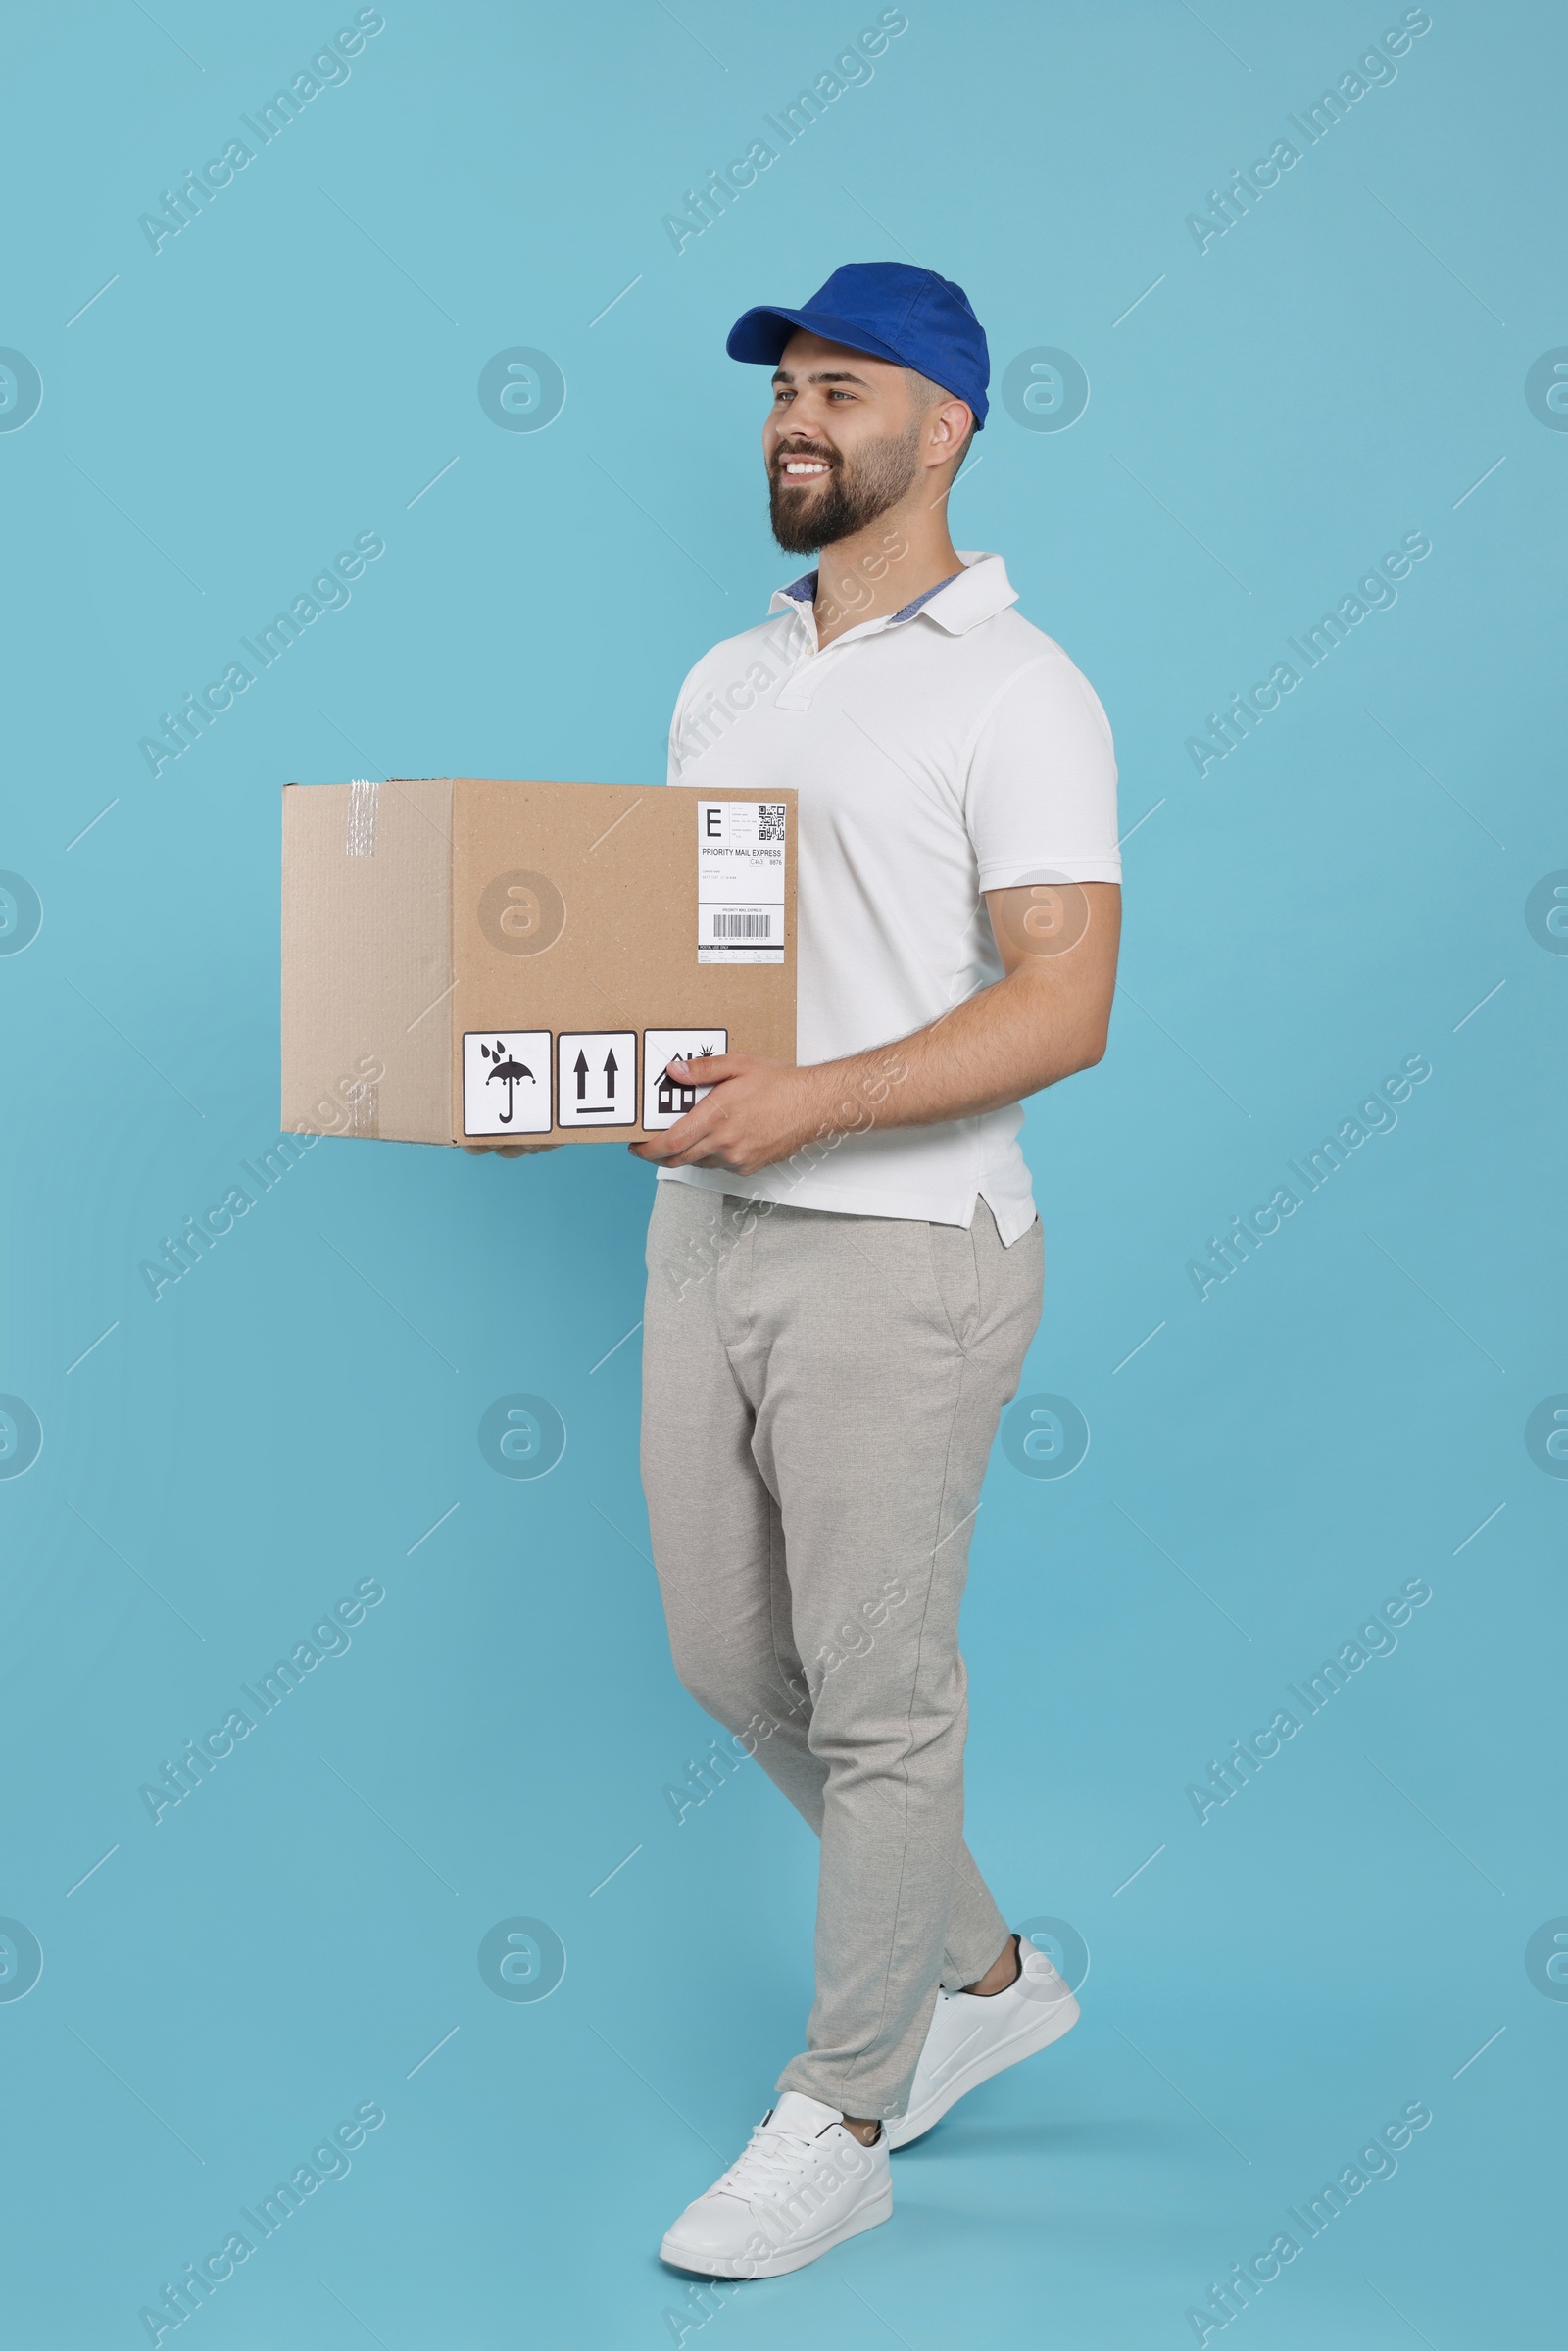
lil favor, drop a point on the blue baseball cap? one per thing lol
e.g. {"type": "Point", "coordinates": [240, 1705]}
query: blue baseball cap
{"type": "Point", "coordinates": [891, 310]}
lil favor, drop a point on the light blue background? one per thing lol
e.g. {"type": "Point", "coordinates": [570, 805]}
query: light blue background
{"type": "Point", "coordinates": [294, 1415]}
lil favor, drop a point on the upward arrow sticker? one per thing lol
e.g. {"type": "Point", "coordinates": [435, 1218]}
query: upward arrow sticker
{"type": "Point", "coordinates": [590, 1069]}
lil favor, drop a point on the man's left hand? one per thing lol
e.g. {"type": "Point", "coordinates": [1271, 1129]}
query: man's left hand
{"type": "Point", "coordinates": [758, 1112]}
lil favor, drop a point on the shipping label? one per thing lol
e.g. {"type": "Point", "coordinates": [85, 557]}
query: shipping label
{"type": "Point", "coordinates": [740, 881]}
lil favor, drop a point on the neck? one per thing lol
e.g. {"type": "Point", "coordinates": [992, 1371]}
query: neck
{"type": "Point", "coordinates": [880, 569]}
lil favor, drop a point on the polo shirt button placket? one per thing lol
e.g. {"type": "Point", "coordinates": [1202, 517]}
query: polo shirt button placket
{"type": "Point", "coordinates": [797, 693]}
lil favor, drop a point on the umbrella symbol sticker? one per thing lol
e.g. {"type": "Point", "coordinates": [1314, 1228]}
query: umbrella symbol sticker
{"type": "Point", "coordinates": [505, 1081]}
{"type": "Point", "coordinates": [509, 1069]}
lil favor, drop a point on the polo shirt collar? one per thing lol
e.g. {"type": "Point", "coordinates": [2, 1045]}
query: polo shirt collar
{"type": "Point", "coordinates": [980, 591]}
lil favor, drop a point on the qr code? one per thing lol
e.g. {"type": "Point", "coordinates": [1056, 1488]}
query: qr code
{"type": "Point", "coordinates": [771, 821]}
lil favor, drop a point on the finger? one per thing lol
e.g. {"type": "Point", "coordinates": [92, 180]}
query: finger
{"type": "Point", "coordinates": [657, 1148]}
{"type": "Point", "coordinates": [696, 1127]}
{"type": "Point", "coordinates": [708, 1069]}
{"type": "Point", "coordinates": [704, 1152]}
{"type": "Point", "coordinates": [669, 1151]}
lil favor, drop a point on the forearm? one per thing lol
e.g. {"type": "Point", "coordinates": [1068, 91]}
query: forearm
{"type": "Point", "coordinates": [1045, 1020]}
{"type": "Point", "coordinates": [1000, 1044]}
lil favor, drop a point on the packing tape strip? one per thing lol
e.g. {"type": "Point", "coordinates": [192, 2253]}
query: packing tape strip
{"type": "Point", "coordinates": [365, 813]}
{"type": "Point", "coordinates": [365, 1109]}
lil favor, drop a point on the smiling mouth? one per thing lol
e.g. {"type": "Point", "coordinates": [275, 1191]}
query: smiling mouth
{"type": "Point", "coordinates": [796, 471]}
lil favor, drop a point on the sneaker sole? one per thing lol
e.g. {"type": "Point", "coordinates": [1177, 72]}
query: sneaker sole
{"type": "Point", "coordinates": [787, 2257]}
{"type": "Point", "coordinates": [913, 2125]}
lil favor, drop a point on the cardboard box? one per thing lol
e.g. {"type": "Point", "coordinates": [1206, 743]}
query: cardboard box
{"type": "Point", "coordinates": [470, 960]}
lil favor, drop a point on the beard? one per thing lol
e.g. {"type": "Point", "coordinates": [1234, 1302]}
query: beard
{"type": "Point", "coordinates": [838, 503]}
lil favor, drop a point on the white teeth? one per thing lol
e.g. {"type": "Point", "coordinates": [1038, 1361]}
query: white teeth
{"type": "Point", "coordinates": [804, 466]}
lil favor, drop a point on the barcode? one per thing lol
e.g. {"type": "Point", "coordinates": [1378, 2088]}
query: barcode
{"type": "Point", "coordinates": [743, 926]}
{"type": "Point", "coordinates": [771, 821]}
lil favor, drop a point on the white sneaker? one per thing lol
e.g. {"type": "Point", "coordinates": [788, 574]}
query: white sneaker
{"type": "Point", "coordinates": [973, 2036]}
{"type": "Point", "coordinates": [804, 2184]}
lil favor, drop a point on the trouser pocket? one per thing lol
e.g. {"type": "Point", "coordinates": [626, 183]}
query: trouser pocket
{"type": "Point", "coordinates": [956, 1272]}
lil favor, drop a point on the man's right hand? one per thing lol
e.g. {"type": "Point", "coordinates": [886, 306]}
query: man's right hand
{"type": "Point", "coordinates": [509, 1150]}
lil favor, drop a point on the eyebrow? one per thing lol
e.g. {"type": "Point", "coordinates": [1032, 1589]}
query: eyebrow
{"type": "Point", "coordinates": [823, 376]}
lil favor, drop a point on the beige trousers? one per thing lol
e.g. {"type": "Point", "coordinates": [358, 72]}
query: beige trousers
{"type": "Point", "coordinates": [819, 1397]}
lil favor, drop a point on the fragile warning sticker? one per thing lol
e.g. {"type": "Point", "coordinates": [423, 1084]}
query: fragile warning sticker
{"type": "Point", "coordinates": [740, 881]}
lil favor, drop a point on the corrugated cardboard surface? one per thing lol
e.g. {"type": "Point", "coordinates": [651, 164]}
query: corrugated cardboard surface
{"type": "Point", "coordinates": [385, 910]}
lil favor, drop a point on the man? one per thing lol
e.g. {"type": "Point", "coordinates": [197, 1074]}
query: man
{"type": "Point", "coordinates": [844, 1263]}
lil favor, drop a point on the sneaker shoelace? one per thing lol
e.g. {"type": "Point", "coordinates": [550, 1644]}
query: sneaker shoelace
{"type": "Point", "coordinates": [773, 2159]}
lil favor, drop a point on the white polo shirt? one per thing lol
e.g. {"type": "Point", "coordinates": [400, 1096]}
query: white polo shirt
{"type": "Point", "coordinates": [939, 752]}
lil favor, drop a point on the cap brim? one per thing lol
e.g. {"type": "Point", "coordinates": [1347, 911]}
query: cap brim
{"type": "Point", "coordinates": [759, 336]}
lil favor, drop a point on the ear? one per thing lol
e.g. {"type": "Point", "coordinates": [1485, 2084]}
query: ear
{"type": "Point", "coordinates": [948, 425]}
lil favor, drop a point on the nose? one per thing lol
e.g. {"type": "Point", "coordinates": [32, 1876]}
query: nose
{"type": "Point", "coordinates": [801, 428]}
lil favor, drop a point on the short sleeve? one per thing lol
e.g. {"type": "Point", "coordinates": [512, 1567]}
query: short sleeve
{"type": "Point", "coordinates": [1040, 794]}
